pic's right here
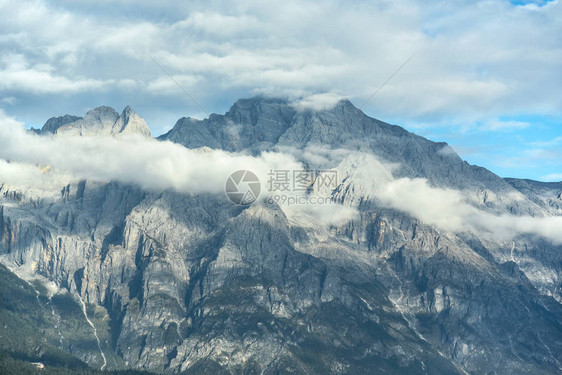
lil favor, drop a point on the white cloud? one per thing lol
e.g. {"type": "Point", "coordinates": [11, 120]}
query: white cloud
{"type": "Point", "coordinates": [147, 162]}
{"type": "Point", "coordinates": [220, 24]}
{"type": "Point", "coordinates": [49, 162]}
{"type": "Point", "coordinates": [553, 177]}
{"type": "Point", "coordinates": [469, 65]}
{"type": "Point", "coordinates": [497, 125]}
{"type": "Point", "coordinates": [10, 100]}
{"type": "Point", "coordinates": [550, 143]}
{"type": "Point", "coordinates": [317, 102]}
{"type": "Point", "coordinates": [16, 75]}
{"type": "Point", "coordinates": [164, 85]}
{"type": "Point", "coordinates": [447, 151]}
{"type": "Point", "coordinates": [450, 210]}
{"type": "Point", "coordinates": [15, 173]}
{"type": "Point", "coordinates": [446, 209]}
{"type": "Point", "coordinates": [536, 155]}
{"type": "Point", "coordinates": [37, 80]}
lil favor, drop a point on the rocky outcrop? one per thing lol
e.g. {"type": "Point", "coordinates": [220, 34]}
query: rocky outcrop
{"type": "Point", "coordinates": [104, 121]}
{"type": "Point", "coordinates": [129, 122]}
{"type": "Point", "coordinates": [249, 124]}
{"type": "Point", "coordinates": [547, 195]}
{"type": "Point", "coordinates": [54, 123]}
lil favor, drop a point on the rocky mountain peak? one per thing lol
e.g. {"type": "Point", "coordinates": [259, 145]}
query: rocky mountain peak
{"type": "Point", "coordinates": [105, 121]}
{"type": "Point", "coordinates": [252, 110]}
{"type": "Point", "coordinates": [131, 123]}
{"type": "Point", "coordinates": [102, 112]}
{"type": "Point", "coordinates": [54, 123]}
{"type": "Point", "coordinates": [346, 106]}
{"type": "Point", "coordinates": [259, 123]}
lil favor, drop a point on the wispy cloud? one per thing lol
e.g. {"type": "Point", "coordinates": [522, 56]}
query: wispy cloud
{"type": "Point", "coordinates": [10, 100]}
{"type": "Point", "coordinates": [147, 162]}
{"type": "Point", "coordinates": [41, 80]}
{"type": "Point", "coordinates": [498, 125]}
{"type": "Point", "coordinates": [318, 102]}
{"type": "Point", "coordinates": [451, 210]}
{"type": "Point", "coordinates": [446, 209]}
{"type": "Point", "coordinates": [50, 162]}
{"type": "Point", "coordinates": [553, 177]}
{"type": "Point", "coordinates": [550, 143]}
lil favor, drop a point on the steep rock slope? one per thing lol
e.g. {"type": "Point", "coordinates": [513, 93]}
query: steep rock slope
{"type": "Point", "coordinates": [547, 195]}
{"type": "Point", "coordinates": [193, 282]}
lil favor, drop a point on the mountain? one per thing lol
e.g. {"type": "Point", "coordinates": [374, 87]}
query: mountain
{"type": "Point", "coordinates": [54, 123]}
{"type": "Point", "coordinates": [259, 124]}
{"type": "Point", "coordinates": [101, 121]}
{"type": "Point", "coordinates": [130, 123]}
{"type": "Point", "coordinates": [178, 282]}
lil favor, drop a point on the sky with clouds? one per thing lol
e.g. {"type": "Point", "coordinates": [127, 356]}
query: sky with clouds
{"type": "Point", "coordinates": [485, 75]}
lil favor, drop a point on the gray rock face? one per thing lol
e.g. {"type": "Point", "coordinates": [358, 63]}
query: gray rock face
{"type": "Point", "coordinates": [547, 195]}
{"type": "Point", "coordinates": [130, 123]}
{"type": "Point", "coordinates": [104, 121]}
{"type": "Point", "coordinates": [193, 282]}
{"type": "Point", "coordinates": [54, 123]}
{"type": "Point", "coordinates": [249, 124]}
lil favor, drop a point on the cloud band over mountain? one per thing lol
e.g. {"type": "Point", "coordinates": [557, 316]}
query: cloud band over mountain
{"type": "Point", "coordinates": [157, 165]}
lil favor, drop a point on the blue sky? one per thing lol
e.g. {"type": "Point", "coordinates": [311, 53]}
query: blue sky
{"type": "Point", "coordinates": [485, 77]}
